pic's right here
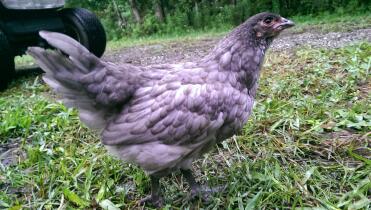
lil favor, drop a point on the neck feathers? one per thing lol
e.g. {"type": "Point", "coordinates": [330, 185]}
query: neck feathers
{"type": "Point", "coordinates": [240, 54]}
{"type": "Point", "coordinates": [241, 47]}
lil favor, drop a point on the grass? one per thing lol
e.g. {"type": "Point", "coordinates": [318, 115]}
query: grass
{"type": "Point", "coordinates": [306, 146]}
{"type": "Point", "coordinates": [168, 38]}
{"type": "Point", "coordinates": [319, 23]}
{"type": "Point", "coordinates": [332, 22]}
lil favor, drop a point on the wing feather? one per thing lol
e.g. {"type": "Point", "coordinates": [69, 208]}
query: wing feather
{"type": "Point", "coordinates": [174, 117]}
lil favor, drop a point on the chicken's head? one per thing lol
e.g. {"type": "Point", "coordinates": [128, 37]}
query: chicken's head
{"type": "Point", "coordinates": [268, 25]}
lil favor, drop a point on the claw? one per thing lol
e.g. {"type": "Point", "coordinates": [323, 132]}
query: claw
{"type": "Point", "coordinates": [197, 191]}
{"type": "Point", "coordinates": [155, 199]}
{"type": "Point", "coordinates": [205, 193]}
{"type": "Point", "coordinates": [156, 202]}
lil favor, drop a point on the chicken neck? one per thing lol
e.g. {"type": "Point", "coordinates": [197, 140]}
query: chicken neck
{"type": "Point", "coordinates": [238, 56]}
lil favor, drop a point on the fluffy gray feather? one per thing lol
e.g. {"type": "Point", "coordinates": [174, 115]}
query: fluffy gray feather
{"type": "Point", "coordinates": [162, 117]}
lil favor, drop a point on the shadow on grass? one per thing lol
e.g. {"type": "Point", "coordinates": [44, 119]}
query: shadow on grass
{"type": "Point", "coordinates": [28, 72]}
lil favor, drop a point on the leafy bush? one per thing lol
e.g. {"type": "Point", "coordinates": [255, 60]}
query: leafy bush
{"type": "Point", "coordinates": [185, 15]}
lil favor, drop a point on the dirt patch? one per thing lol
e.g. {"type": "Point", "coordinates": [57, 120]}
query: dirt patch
{"type": "Point", "coordinates": [364, 88]}
{"type": "Point", "coordinates": [321, 40]}
{"type": "Point", "coordinates": [11, 153]}
{"type": "Point", "coordinates": [162, 53]}
{"type": "Point", "coordinates": [175, 52]}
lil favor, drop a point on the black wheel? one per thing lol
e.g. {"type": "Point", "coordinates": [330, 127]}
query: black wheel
{"type": "Point", "coordinates": [7, 70]}
{"type": "Point", "coordinates": [85, 27]}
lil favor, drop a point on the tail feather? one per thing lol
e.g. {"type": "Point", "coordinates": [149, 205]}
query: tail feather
{"type": "Point", "coordinates": [70, 47]}
{"type": "Point", "coordinates": [83, 80]}
{"type": "Point", "coordinates": [63, 75]}
{"type": "Point", "coordinates": [40, 57]}
{"type": "Point", "coordinates": [60, 74]}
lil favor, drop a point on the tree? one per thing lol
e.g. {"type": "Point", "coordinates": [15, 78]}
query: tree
{"type": "Point", "coordinates": [135, 11]}
{"type": "Point", "coordinates": [159, 10]}
{"type": "Point", "coordinates": [122, 21]}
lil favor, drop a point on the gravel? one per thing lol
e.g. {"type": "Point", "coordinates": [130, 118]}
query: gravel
{"type": "Point", "coordinates": [174, 52]}
{"type": "Point", "coordinates": [328, 40]}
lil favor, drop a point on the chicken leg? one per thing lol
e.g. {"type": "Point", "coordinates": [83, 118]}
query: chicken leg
{"type": "Point", "coordinates": [203, 192]}
{"type": "Point", "coordinates": [155, 198]}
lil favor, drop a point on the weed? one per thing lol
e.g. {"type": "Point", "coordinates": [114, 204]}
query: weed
{"type": "Point", "coordinates": [305, 146]}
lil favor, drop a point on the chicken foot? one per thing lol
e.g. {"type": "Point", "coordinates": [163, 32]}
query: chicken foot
{"type": "Point", "coordinates": [197, 190]}
{"type": "Point", "coordinates": [155, 198]}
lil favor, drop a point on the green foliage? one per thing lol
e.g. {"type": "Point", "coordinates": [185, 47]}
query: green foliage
{"type": "Point", "coordinates": [187, 15]}
{"type": "Point", "coordinates": [305, 146]}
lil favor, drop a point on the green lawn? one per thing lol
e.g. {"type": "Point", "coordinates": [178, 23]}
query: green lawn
{"type": "Point", "coordinates": [320, 23]}
{"type": "Point", "coordinates": [306, 145]}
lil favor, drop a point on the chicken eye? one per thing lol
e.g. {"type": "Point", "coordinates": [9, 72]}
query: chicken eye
{"type": "Point", "coordinates": [268, 20]}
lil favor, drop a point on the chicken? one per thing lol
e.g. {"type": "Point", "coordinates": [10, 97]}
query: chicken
{"type": "Point", "coordinates": [163, 117]}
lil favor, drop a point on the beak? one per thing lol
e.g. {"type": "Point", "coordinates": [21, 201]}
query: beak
{"type": "Point", "coordinates": [285, 23]}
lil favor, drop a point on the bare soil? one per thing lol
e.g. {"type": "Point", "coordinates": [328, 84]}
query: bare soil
{"type": "Point", "coordinates": [183, 51]}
